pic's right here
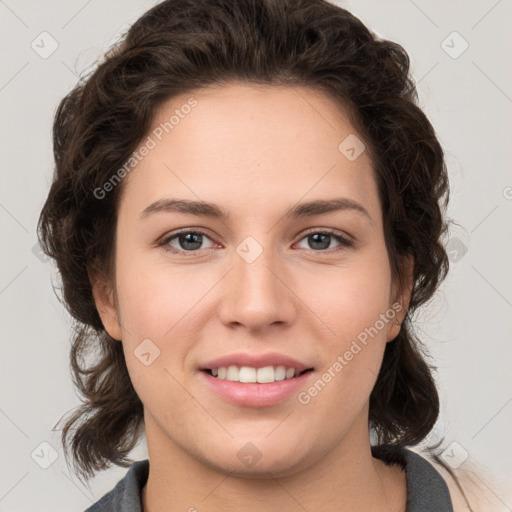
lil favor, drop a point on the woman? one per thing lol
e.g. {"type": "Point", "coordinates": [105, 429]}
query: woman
{"type": "Point", "coordinates": [246, 210]}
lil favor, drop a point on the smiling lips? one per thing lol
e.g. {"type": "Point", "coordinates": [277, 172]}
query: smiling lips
{"type": "Point", "coordinates": [255, 381]}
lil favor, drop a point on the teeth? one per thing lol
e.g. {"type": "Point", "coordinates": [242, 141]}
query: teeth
{"type": "Point", "coordinates": [233, 373]}
{"type": "Point", "coordinates": [263, 375]}
{"type": "Point", "coordinates": [280, 373]}
{"type": "Point", "coordinates": [247, 374]}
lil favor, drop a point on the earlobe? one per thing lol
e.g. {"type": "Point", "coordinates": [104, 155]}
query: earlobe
{"type": "Point", "coordinates": [407, 291]}
{"type": "Point", "coordinates": [395, 324]}
{"type": "Point", "coordinates": [105, 304]}
{"type": "Point", "coordinates": [401, 299]}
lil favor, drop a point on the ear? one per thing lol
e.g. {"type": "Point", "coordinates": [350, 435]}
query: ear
{"type": "Point", "coordinates": [104, 298]}
{"type": "Point", "coordinates": [401, 297]}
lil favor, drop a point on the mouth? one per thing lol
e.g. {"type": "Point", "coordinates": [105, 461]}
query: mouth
{"type": "Point", "coordinates": [255, 380]}
{"type": "Point", "coordinates": [256, 394]}
{"type": "Point", "coordinates": [253, 375]}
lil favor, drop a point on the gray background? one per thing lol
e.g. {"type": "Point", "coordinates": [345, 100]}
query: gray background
{"type": "Point", "coordinates": [468, 326]}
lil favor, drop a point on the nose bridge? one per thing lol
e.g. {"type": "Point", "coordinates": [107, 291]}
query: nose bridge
{"type": "Point", "coordinates": [255, 294]}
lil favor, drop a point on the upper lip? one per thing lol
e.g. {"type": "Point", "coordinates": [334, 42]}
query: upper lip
{"type": "Point", "coordinates": [256, 361]}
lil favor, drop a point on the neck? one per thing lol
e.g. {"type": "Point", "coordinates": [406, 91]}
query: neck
{"type": "Point", "coordinates": [347, 478]}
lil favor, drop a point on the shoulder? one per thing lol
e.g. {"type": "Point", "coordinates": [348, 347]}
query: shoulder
{"type": "Point", "coordinates": [426, 489]}
{"type": "Point", "coordinates": [127, 494]}
{"type": "Point", "coordinates": [470, 489]}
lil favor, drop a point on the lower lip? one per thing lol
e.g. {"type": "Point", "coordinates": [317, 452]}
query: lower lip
{"type": "Point", "coordinates": [254, 394]}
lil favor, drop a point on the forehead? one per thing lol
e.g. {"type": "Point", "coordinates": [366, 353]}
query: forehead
{"type": "Point", "coordinates": [241, 143]}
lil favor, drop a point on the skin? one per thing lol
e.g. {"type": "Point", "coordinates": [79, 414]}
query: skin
{"type": "Point", "coordinates": [255, 151]}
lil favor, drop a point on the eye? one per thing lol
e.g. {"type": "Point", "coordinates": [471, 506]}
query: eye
{"type": "Point", "coordinates": [187, 241]}
{"type": "Point", "coordinates": [319, 241]}
{"type": "Point", "coordinates": [191, 241]}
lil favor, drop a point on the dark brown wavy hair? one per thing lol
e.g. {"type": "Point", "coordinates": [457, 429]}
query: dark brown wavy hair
{"type": "Point", "coordinates": [179, 46]}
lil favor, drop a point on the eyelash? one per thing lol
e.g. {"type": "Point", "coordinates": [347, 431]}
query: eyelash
{"type": "Point", "coordinates": [344, 242]}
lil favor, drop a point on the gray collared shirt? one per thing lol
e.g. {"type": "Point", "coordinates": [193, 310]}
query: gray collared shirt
{"type": "Point", "coordinates": [426, 489]}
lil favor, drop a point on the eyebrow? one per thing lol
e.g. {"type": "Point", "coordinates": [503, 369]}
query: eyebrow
{"type": "Point", "coordinates": [203, 208]}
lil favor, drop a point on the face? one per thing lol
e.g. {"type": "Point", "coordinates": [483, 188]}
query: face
{"type": "Point", "coordinates": [256, 286]}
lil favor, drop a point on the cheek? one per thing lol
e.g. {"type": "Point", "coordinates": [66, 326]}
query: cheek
{"type": "Point", "coordinates": [352, 360]}
{"type": "Point", "coordinates": [354, 298]}
{"type": "Point", "coordinates": [160, 309]}
{"type": "Point", "coordinates": [355, 311]}
{"type": "Point", "coordinates": [153, 299]}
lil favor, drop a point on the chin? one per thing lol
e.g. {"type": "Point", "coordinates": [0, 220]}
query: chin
{"type": "Point", "coordinates": [258, 458]}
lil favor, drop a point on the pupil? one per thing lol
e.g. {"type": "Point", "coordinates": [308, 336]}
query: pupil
{"type": "Point", "coordinates": [188, 238]}
{"type": "Point", "coordinates": [321, 238]}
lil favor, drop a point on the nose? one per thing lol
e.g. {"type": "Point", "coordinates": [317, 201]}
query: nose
{"type": "Point", "coordinates": [257, 294]}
